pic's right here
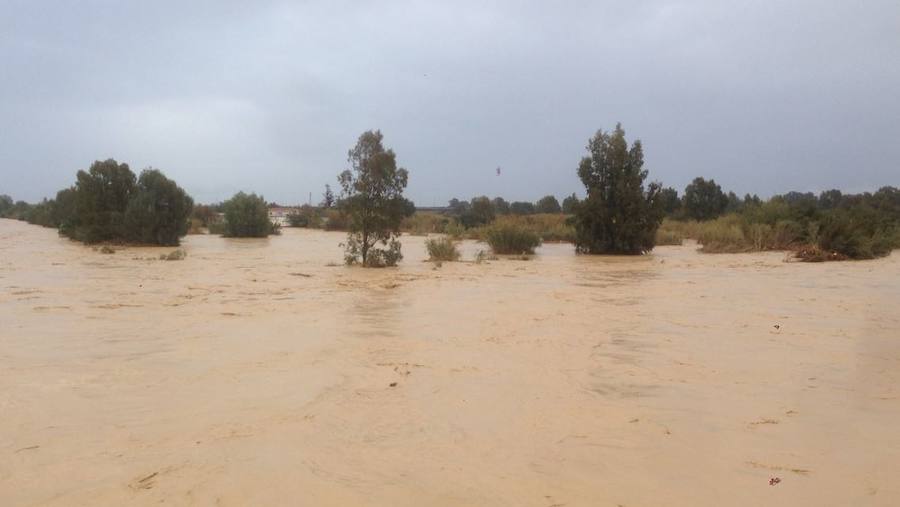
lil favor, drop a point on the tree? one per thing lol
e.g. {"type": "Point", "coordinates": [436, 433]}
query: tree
{"type": "Point", "coordinates": [521, 208]}
{"type": "Point", "coordinates": [618, 215]}
{"type": "Point", "coordinates": [6, 203]}
{"type": "Point", "coordinates": [101, 197]}
{"type": "Point", "coordinates": [548, 204]}
{"type": "Point", "coordinates": [158, 211]}
{"type": "Point", "coordinates": [501, 207]}
{"type": "Point", "coordinates": [704, 200]}
{"type": "Point", "coordinates": [63, 212]}
{"type": "Point", "coordinates": [479, 212]}
{"type": "Point", "coordinates": [246, 216]}
{"type": "Point", "coordinates": [671, 204]}
{"type": "Point", "coordinates": [327, 197]}
{"type": "Point", "coordinates": [372, 198]}
{"type": "Point", "coordinates": [569, 204]}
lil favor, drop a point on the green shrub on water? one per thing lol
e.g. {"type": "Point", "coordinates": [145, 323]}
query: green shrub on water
{"type": "Point", "coordinates": [442, 249]}
{"type": "Point", "coordinates": [511, 239]}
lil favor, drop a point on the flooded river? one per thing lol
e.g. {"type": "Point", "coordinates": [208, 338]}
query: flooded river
{"type": "Point", "coordinates": [264, 372]}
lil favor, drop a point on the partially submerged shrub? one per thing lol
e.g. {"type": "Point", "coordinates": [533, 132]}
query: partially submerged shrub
{"type": "Point", "coordinates": [424, 223]}
{"type": "Point", "coordinates": [247, 216]}
{"type": "Point", "coordinates": [442, 249]}
{"type": "Point", "coordinates": [666, 236]}
{"type": "Point", "coordinates": [511, 239]}
{"type": "Point", "coordinates": [175, 255]}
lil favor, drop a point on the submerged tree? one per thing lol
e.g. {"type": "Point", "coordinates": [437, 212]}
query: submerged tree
{"type": "Point", "coordinates": [101, 196]}
{"type": "Point", "coordinates": [247, 216]}
{"type": "Point", "coordinates": [159, 210]}
{"type": "Point", "coordinates": [618, 216]}
{"type": "Point", "coordinates": [372, 198]}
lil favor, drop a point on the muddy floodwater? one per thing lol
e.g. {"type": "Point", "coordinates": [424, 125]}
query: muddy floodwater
{"type": "Point", "coordinates": [264, 372]}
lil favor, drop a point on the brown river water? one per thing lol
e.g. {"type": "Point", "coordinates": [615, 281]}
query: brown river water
{"type": "Point", "coordinates": [264, 372]}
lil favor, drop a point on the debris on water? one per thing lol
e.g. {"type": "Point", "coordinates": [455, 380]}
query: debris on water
{"type": "Point", "coordinates": [774, 480]}
{"type": "Point", "coordinates": [393, 384]}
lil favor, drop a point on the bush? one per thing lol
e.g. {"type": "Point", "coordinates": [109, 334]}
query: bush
{"type": "Point", "coordinates": [424, 223]}
{"type": "Point", "coordinates": [856, 235]}
{"type": "Point", "coordinates": [247, 216]}
{"type": "Point", "coordinates": [510, 239]}
{"type": "Point", "coordinates": [665, 236]}
{"type": "Point", "coordinates": [336, 220]}
{"type": "Point", "coordinates": [442, 249]}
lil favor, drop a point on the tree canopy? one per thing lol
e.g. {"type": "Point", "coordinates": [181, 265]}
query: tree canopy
{"type": "Point", "coordinates": [618, 215]}
{"type": "Point", "coordinates": [704, 200]}
{"type": "Point", "coordinates": [372, 198]}
{"type": "Point", "coordinates": [247, 216]}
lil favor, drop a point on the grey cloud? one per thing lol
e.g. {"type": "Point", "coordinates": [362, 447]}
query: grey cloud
{"type": "Point", "coordinates": [269, 96]}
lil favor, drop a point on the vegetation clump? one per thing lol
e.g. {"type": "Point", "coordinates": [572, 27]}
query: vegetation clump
{"type": "Point", "coordinates": [511, 239]}
{"type": "Point", "coordinates": [247, 216]}
{"type": "Point", "coordinates": [442, 249]}
{"type": "Point", "coordinates": [618, 216]}
{"type": "Point", "coordinates": [175, 255]}
{"type": "Point", "coordinates": [109, 204]}
{"type": "Point", "coordinates": [372, 200]}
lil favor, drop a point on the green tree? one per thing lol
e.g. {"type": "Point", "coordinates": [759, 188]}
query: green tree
{"type": "Point", "coordinates": [158, 211]}
{"type": "Point", "coordinates": [521, 208]}
{"type": "Point", "coordinates": [569, 204]}
{"type": "Point", "coordinates": [548, 204]}
{"type": "Point", "coordinates": [619, 215]}
{"type": "Point", "coordinates": [479, 212]}
{"type": "Point", "coordinates": [704, 200]}
{"type": "Point", "coordinates": [671, 204]}
{"type": "Point", "coordinates": [101, 197]}
{"type": "Point", "coordinates": [372, 199]}
{"type": "Point", "coordinates": [6, 203]}
{"type": "Point", "coordinates": [501, 207]}
{"type": "Point", "coordinates": [247, 216]}
{"type": "Point", "coordinates": [63, 213]}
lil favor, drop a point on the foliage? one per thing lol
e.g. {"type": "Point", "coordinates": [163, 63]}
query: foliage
{"type": "Point", "coordinates": [618, 215]}
{"type": "Point", "coordinates": [667, 235]}
{"type": "Point", "coordinates": [6, 204]}
{"type": "Point", "coordinates": [247, 216]}
{"type": "Point", "coordinates": [704, 200]}
{"type": "Point", "coordinates": [501, 206]}
{"type": "Point", "coordinates": [547, 204]}
{"type": "Point", "coordinates": [423, 223]}
{"type": "Point", "coordinates": [442, 249]}
{"type": "Point", "coordinates": [304, 216]}
{"type": "Point", "coordinates": [479, 212]}
{"type": "Point", "coordinates": [101, 197]}
{"type": "Point", "coordinates": [521, 208]}
{"type": "Point", "coordinates": [328, 197]}
{"type": "Point", "coordinates": [158, 210]}
{"type": "Point", "coordinates": [512, 239]}
{"type": "Point", "coordinates": [569, 204]}
{"type": "Point", "coordinates": [372, 198]}
{"type": "Point", "coordinates": [671, 204]}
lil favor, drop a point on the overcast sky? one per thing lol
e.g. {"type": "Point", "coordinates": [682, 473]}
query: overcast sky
{"type": "Point", "coordinates": [764, 96]}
